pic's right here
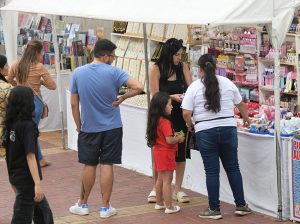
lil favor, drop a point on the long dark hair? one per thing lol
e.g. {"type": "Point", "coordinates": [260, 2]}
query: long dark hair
{"type": "Point", "coordinates": [165, 61]}
{"type": "Point", "coordinates": [212, 90]}
{"type": "Point", "coordinates": [29, 56]}
{"type": "Point", "coordinates": [156, 110]}
{"type": "Point", "coordinates": [20, 106]}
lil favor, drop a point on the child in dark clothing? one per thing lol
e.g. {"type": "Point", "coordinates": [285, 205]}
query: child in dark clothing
{"type": "Point", "coordinates": [24, 170]}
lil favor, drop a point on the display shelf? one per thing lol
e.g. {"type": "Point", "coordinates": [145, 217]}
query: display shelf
{"type": "Point", "coordinates": [286, 63]}
{"type": "Point", "coordinates": [127, 35]}
{"type": "Point", "coordinates": [270, 89]}
{"type": "Point", "coordinates": [246, 84]}
{"type": "Point", "coordinates": [266, 88]}
{"type": "Point", "coordinates": [139, 101]}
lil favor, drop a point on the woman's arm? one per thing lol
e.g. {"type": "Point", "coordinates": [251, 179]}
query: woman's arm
{"type": "Point", "coordinates": [154, 77]}
{"type": "Point", "coordinates": [187, 74]}
{"type": "Point", "coordinates": [32, 164]}
{"type": "Point", "coordinates": [244, 111]}
{"type": "Point", "coordinates": [187, 116]}
{"type": "Point", "coordinates": [12, 74]}
{"type": "Point", "coordinates": [47, 81]}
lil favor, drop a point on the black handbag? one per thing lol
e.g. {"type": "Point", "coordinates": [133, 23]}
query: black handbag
{"type": "Point", "coordinates": [190, 143]}
{"type": "Point", "coordinates": [42, 213]}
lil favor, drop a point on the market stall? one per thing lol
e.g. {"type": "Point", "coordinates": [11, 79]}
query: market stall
{"type": "Point", "coordinates": [257, 158]}
{"type": "Point", "coordinates": [229, 12]}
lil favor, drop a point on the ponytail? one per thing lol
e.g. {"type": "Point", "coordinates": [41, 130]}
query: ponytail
{"type": "Point", "coordinates": [210, 81]}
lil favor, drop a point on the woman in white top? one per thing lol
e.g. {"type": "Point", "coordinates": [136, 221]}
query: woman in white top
{"type": "Point", "coordinates": [211, 101]}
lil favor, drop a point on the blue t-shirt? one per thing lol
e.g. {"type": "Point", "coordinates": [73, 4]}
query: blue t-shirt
{"type": "Point", "coordinates": [97, 86]}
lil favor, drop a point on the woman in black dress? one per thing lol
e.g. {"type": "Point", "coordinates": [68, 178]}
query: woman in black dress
{"type": "Point", "coordinates": [169, 74]}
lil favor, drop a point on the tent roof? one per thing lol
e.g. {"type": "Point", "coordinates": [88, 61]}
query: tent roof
{"type": "Point", "coordinates": [154, 11]}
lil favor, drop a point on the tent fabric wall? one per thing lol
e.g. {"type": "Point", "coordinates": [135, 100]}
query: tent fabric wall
{"type": "Point", "coordinates": [10, 30]}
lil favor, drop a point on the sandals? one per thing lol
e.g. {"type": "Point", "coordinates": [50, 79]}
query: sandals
{"type": "Point", "coordinates": [44, 163]}
{"type": "Point", "coordinates": [175, 208]}
{"type": "Point", "coordinates": [181, 197]}
{"type": "Point", "coordinates": [152, 197]}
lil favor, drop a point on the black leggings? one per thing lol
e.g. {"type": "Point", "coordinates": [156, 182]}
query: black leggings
{"type": "Point", "coordinates": [26, 209]}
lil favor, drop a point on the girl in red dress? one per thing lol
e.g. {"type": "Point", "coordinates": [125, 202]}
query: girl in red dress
{"type": "Point", "coordinates": [161, 137]}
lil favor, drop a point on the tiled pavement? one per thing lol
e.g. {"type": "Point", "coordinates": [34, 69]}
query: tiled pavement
{"type": "Point", "coordinates": [61, 186]}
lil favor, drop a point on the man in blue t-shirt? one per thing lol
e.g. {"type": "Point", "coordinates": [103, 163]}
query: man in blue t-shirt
{"type": "Point", "coordinates": [95, 86]}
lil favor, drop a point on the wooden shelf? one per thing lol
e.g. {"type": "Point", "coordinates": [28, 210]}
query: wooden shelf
{"type": "Point", "coordinates": [263, 60]}
{"type": "Point", "coordinates": [285, 63]}
{"type": "Point", "coordinates": [270, 89]}
{"type": "Point", "coordinates": [265, 88]}
{"type": "Point", "coordinates": [127, 35]}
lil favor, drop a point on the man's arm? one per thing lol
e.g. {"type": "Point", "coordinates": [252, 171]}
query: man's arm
{"type": "Point", "coordinates": [135, 88]}
{"type": "Point", "coordinates": [75, 110]}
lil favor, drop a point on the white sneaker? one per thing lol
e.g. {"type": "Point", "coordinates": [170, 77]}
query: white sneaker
{"type": "Point", "coordinates": [79, 209]}
{"type": "Point", "coordinates": [107, 212]}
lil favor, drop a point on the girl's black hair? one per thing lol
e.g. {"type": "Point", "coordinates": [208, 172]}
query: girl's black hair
{"type": "Point", "coordinates": [210, 81]}
{"type": "Point", "coordinates": [165, 60]}
{"type": "Point", "coordinates": [3, 61]}
{"type": "Point", "coordinates": [156, 110]}
{"type": "Point", "coordinates": [20, 106]}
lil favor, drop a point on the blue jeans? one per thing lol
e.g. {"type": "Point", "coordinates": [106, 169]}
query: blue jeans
{"type": "Point", "coordinates": [215, 143]}
{"type": "Point", "coordinates": [37, 117]}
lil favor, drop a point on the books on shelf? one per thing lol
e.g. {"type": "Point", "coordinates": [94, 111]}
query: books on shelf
{"type": "Point", "coordinates": [181, 32]}
{"type": "Point", "coordinates": [119, 62]}
{"type": "Point", "coordinates": [122, 46]}
{"type": "Point", "coordinates": [77, 48]}
{"type": "Point", "coordinates": [35, 22]}
{"type": "Point", "coordinates": [126, 62]}
{"type": "Point", "coordinates": [134, 68]}
{"type": "Point", "coordinates": [158, 31]}
{"type": "Point", "coordinates": [157, 52]}
{"type": "Point", "coordinates": [170, 31]}
{"type": "Point", "coordinates": [43, 23]}
{"type": "Point", "coordinates": [135, 29]}
{"type": "Point", "coordinates": [129, 28]}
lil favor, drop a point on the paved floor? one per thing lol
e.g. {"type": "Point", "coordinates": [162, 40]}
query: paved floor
{"type": "Point", "coordinates": [61, 186]}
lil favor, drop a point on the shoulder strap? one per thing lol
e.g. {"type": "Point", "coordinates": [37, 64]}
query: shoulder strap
{"type": "Point", "coordinates": [36, 93]}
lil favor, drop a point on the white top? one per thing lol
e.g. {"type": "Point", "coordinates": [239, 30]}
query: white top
{"type": "Point", "coordinates": [194, 100]}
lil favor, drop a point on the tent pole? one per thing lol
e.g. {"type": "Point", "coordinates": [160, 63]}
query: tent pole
{"type": "Point", "coordinates": [58, 79]}
{"type": "Point", "coordinates": [277, 128]}
{"type": "Point", "coordinates": [147, 79]}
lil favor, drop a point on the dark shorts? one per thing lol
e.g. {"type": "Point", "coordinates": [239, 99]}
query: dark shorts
{"type": "Point", "coordinates": [181, 154]}
{"type": "Point", "coordinates": [102, 147]}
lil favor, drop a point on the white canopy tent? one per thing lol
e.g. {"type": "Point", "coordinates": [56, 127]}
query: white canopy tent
{"type": "Point", "coordinates": [277, 14]}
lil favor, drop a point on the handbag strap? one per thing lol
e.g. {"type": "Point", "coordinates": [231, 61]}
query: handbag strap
{"type": "Point", "coordinates": [36, 93]}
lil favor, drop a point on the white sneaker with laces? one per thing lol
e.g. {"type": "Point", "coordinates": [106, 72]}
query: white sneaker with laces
{"type": "Point", "coordinates": [107, 212]}
{"type": "Point", "coordinates": [79, 209]}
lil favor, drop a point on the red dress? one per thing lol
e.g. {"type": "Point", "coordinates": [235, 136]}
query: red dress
{"type": "Point", "coordinates": [164, 153]}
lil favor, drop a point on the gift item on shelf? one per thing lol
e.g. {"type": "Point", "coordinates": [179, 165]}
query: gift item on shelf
{"type": "Point", "coordinates": [198, 34]}
{"type": "Point", "coordinates": [119, 27]}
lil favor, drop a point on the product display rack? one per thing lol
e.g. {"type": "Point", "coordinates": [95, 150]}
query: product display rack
{"type": "Point", "coordinates": [130, 46]}
{"type": "Point", "coordinates": [289, 74]}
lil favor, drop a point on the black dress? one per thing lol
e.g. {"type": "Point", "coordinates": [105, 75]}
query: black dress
{"type": "Point", "coordinates": [177, 86]}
